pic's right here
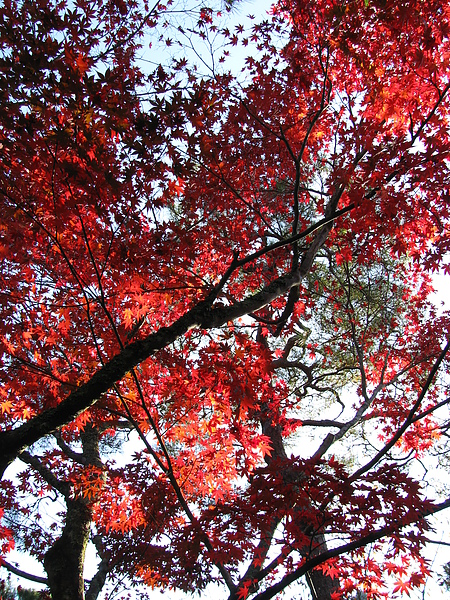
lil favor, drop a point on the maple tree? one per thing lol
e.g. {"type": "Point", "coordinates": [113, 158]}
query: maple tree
{"type": "Point", "coordinates": [231, 275]}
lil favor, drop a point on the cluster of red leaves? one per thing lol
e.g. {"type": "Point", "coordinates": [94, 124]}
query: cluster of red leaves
{"type": "Point", "coordinates": [143, 213]}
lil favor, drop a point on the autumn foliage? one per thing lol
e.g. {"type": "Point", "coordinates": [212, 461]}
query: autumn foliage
{"type": "Point", "coordinates": [220, 363]}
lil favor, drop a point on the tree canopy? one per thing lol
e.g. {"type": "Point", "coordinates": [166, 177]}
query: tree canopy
{"type": "Point", "coordinates": [220, 363]}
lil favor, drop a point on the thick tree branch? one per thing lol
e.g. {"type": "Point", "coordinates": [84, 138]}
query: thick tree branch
{"type": "Point", "coordinates": [203, 315]}
{"type": "Point", "coordinates": [15, 571]}
{"type": "Point", "coordinates": [47, 475]}
{"type": "Point", "coordinates": [64, 560]}
{"type": "Point", "coordinates": [75, 456]}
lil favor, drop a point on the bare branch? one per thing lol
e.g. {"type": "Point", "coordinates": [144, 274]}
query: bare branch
{"type": "Point", "coordinates": [15, 571]}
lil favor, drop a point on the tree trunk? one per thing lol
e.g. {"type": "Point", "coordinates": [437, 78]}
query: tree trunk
{"type": "Point", "coordinates": [64, 561]}
{"type": "Point", "coordinates": [321, 586]}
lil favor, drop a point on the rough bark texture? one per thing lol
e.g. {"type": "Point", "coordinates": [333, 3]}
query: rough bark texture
{"type": "Point", "coordinates": [64, 561]}
{"type": "Point", "coordinates": [321, 586]}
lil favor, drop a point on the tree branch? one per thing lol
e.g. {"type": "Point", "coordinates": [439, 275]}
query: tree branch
{"type": "Point", "coordinates": [313, 562]}
{"type": "Point", "coordinates": [408, 420]}
{"type": "Point", "coordinates": [15, 571]}
{"type": "Point", "coordinates": [47, 475]}
{"type": "Point", "coordinates": [203, 315]}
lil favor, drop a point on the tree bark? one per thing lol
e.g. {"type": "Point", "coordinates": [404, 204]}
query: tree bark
{"type": "Point", "coordinates": [64, 561]}
{"type": "Point", "coordinates": [320, 585]}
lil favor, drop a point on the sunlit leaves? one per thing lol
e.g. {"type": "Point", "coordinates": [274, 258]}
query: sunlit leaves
{"type": "Point", "coordinates": [145, 193]}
